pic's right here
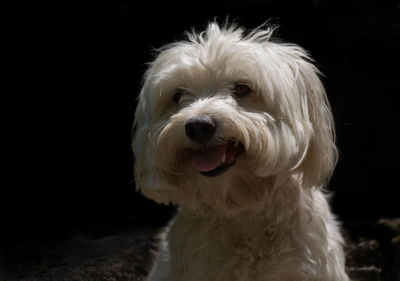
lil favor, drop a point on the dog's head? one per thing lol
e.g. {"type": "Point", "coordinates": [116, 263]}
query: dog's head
{"type": "Point", "coordinates": [222, 114]}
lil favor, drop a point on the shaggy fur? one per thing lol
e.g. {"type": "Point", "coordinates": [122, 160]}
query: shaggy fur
{"type": "Point", "coordinates": [264, 217]}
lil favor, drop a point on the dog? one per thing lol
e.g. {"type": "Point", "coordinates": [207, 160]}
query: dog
{"type": "Point", "coordinates": [236, 129]}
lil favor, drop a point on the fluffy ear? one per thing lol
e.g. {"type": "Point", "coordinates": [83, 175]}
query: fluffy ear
{"type": "Point", "coordinates": [147, 177]}
{"type": "Point", "coordinates": [303, 103]}
{"type": "Point", "coordinates": [321, 154]}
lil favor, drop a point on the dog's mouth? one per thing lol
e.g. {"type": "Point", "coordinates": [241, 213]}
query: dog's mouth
{"type": "Point", "coordinates": [213, 161]}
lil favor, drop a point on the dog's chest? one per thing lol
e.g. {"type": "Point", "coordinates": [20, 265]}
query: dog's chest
{"type": "Point", "coordinates": [218, 250]}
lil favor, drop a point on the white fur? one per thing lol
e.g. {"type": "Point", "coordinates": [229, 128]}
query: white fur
{"type": "Point", "coordinates": [265, 218]}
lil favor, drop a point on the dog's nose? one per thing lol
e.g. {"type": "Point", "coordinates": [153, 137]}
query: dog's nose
{"type": "Point", "coordinates": [200, 129]}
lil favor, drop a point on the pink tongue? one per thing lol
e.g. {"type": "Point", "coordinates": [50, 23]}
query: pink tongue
{"type": "Point", "coordinates": [208, 160]}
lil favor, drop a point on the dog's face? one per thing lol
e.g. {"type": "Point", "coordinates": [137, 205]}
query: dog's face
{"type": "Point", "coordinates": [221, 117]}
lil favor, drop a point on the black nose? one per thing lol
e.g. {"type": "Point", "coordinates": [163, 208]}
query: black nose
{"type": "Point", "coordinates": [200, 129]}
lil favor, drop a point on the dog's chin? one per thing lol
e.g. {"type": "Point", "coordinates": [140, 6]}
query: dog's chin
{"type": "Point", "coordinates": [212, 161]}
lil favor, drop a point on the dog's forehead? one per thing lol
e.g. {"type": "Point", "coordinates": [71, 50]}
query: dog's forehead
{"type": "Point", "coordinates": [210, 65]}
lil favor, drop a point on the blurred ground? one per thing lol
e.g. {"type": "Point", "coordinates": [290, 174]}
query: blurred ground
{"type": "Point", "coordinates": [125, 254]}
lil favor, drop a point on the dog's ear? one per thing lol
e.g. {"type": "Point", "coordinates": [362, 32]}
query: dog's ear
{"type": "Point", "coordinates": [303, 103]}
{"type": "Point", "coordinates": [147, 178]}
{"type": "Point", "coordinates": [320, 154]}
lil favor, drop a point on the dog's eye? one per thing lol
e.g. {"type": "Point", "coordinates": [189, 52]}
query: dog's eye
{"type": "Point", "coordinates": [177, 96]}
{"type": "Point", "coordinates": [241, 90]}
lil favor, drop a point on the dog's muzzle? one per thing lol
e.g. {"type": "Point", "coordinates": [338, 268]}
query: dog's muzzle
{"type": "Point", "coordinates": [210, 160]}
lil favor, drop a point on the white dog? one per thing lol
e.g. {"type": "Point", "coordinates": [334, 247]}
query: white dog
{"type": "Point", "coordinates": [236, 129]}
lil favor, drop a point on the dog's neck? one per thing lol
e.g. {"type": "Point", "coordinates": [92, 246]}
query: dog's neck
{"type": "Point", "coordinates": [267, 210]}
{"type": "Point", "coordinates": [284, 222]}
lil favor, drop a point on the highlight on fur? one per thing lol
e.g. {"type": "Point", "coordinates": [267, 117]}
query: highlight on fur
{"type": "Point", "coordinates": [236, 129]}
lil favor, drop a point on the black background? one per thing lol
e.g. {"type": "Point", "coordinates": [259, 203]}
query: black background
{"type": "Point", "coordinates": [73, 72]}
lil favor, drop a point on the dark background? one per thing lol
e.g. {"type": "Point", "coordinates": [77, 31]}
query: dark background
{"type": "Point", "coordinates": [74, 70]}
